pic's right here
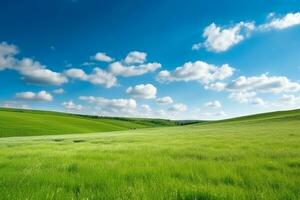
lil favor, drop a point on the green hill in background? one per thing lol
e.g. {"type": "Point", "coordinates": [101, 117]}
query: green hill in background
{"type": "Point", "coordinates": [19, 122]}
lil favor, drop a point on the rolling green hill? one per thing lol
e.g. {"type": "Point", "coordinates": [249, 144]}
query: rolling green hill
{"type": "Point", "coordinates": [248, 158]}
{"type": "Point", "coordinates": [19, 122]}
{"type": "Point", "coordinates": [272, 116]}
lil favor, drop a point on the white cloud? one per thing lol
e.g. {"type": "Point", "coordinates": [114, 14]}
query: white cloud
{"type": "Point", "coordinates": [59, 91]}
{"type": "Point", "coordinates": [70, 105]}
{"type": "Point", "coordinates": [263, 84]}
{"type": "Point", "coordinates": [120, 69]}
{"type": "Point", "coordinates": [288, 20]}
{"type": "Point", "coordinates": [290, 99]}
{"type": "Point", "coordinates": [132, 65]}
{"type": "Point", "coordinates": [118, 107]}
{"type": "Point", "coordinates": [162, 113]}
{"type": "Point", "coordinates": [218, 39]}
{"type": "Point", "coordinates": [32, 71]}
{"type": "Point", "coordinates": [76, 74]}
{"type": "Point", "coordinates": [178, 108]}
{"type": "Point", "coordinates": [249, 98]}
{"type": "Point", "coordinates": [221, 113]}
{"type": "Point", "coordinates": [197, 46]}
{"type": "Point", "coordinates": [40, 96]}
{"type": "Point", "coordinates": [97, 77]}
{"type": "Point", "coordinates": [135, 57]}
{"type": "Point", "coordinates": [101, 77]}
{"type": "Point", "coordinates": [164, 100]}
{"type": "Point", "coordinates": [217, 86]}
{"type": "Point", "coordinates": [146, 109]}
{"type": "Point", "coordinates": [100, 56]}
{"type": "Point", "coordinates": [197, 71]}
{"type": "Point", "coordinates": [244, 86]}
{"type": "Point", "coordinates": [242, 97]}
{"type": "Point", "coordinates": [129, 108]}
{"type": "Point", "coordinates": [257, 101]}
{"type": "Point", "coordinates": [245, 89]}
{"type": "Point", "coordinates": [213, 104]}
{"type": "Point", "coordinates": [7, 53]}
{"type": "Point", "coordinates": [144, 91]}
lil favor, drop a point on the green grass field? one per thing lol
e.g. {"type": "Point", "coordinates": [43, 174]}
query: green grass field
{"type": "Point", "coordinates": [17, 122]}
{"type": "Point", "coordinates": [248, 158]}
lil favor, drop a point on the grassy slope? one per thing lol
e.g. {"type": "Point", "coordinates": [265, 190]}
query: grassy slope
{"type": "Point", "coordinates": [246, 158]}
{"type": "Point", "coordinates": [271, 117]}
{"type": "Point", "coordinates": [15, 122]}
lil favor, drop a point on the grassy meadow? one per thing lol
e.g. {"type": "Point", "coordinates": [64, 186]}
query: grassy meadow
{"type": "Point", "coordinates": [18, 122]}
{"type": "Point", "coordinates": [248, 158]}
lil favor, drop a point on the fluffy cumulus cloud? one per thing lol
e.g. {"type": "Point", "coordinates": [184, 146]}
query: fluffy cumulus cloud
{"type": "Point", "coordinates": [217, 86]}
{"type": "Point", "coordinates": [70, 105]}
{"type": "Point", "coordinates": [133, 65]}
{"type": "Point", "coordinates": [247, 97]}
{"type": "Point", "coordinates": [220, 39]}
{"type": "Point", "coordinates": [213, 104]}
{"type": "Point", "coordinates": [100, 56]}
{"type": "Point", "coordinates": [101, 77]}
{"type": "Point", "coordinates": [242, 96]}
{"type": "Point", "coordinates": [146, 109]}
{"type": "Point", "coordinates": [286, 21]}
{"type": "Point", "coordinates": [105, 106]}
{"type": "Point", "coordinates": [196, 71]}
{"type": "Point", "coordinates": [40, 96]}
{"type": "Point", "coordinates": [178, 108]}
{"type": "Point", "coordinates": [122, 69]}
{"type": "Point", "coordinates": [247, 89]}
{"type": "Point", "coordinates": [32, 71]}
{"type": "Point", "coordinates": [129, 107]}
{"type": "Point", "coordinates": [290, 99]}
{"type": "Point", "coordinates": [164, 100]}
{"type": "Point", "coordinates": [97, 77]}
{"type": "Point", "coordinates": [263, 84]}
{"type": "Point", "coordinates": [76, 73]}
{"type": "Point", "coordinates": [144, 91]}
{"type": "Point", "coordinates": [257, 101]}
{"type": "Point", "coordinates": [135, 57]}
{"type": "Point", "coordinates": [7, 53]}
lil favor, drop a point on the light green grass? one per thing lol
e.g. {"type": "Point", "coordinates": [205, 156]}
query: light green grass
{"type": "Point", "coordinates": [250, 158]}
{"type": "Point", "coordinates": [16, 122]}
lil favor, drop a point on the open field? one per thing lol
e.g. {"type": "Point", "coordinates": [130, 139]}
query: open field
{"type": "Point", "coordinates": [256, 157]}
{"type": "Point", "coordinates": [17, 122]}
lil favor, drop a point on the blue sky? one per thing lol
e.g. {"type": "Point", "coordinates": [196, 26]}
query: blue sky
{"type": "Point", "coordinates": [166, 59]}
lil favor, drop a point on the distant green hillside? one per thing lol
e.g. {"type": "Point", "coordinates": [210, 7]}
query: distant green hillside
{"type": "Point", "coordinates": [18, 122]}
{"type": "Point", "coordinates": [289, 115]}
